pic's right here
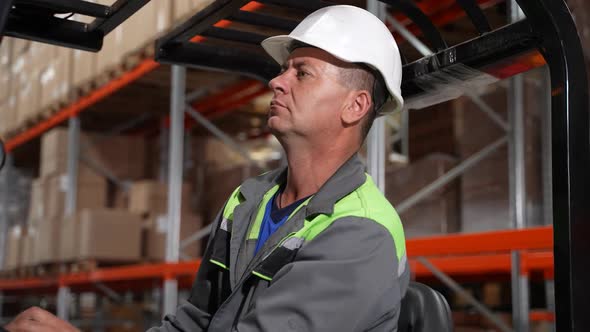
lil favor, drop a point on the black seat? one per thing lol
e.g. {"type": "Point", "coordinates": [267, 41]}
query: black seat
{"type": "Point", "coordinates": [424, 310]}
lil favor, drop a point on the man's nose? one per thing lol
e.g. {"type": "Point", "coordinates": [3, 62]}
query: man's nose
{"type": "Point", "coordinates": [278, 84]}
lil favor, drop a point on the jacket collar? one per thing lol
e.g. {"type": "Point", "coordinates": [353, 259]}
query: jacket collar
{"type": "Point", "coordinates": [347, 178]}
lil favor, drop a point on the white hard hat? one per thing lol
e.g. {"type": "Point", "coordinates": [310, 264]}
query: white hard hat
{"type": "Point", "coordinates": [350, 34]}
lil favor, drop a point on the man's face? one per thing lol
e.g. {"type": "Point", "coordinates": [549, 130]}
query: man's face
{"type": "Point", "coordinates": [308, 95]}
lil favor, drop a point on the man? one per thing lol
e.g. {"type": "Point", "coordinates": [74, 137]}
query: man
{"type": "Point", "coordinates": [314, 246]}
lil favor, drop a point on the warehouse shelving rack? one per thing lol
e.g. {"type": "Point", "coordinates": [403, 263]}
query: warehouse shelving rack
{"type": "Point", "coordinates": [459, 256]}
{"type": "Point", "coordinates": [546, 36]}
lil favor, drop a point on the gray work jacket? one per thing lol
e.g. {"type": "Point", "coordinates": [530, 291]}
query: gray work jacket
{"type": "Point", "coordinates": [349, 277]}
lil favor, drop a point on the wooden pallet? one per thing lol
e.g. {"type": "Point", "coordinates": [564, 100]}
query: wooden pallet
{"type": "Point", "coordinates": [8, 274]}
{"type": "Point", "coordinates": [50, 269]}
{"type": "Point", "coordinates": [89, 265]}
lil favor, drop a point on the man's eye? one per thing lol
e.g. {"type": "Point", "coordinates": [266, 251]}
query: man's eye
{"type": "Point", "coordinates": [301, 74]}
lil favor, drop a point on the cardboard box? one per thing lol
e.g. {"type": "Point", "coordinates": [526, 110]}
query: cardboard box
{"type": "Point", "coordinates": [28, 251]}
{"type": "Point", "coordinates": [20, 47]}
{"type": "Point", "coordinates": [5, 71]}
{"type": "Point", "coordinates": [27, 94]}
{"type": "Point", "coordinates": [48, 238]}
{"type": "Point", "coordinates": [6, 52]}
{"type": "Point", "coordinates": [182, 9]}
{"type": "Point", "coordinates": [218, 155]}
{"type": "Point", "coordinates": [37, 199]}
{"type": "Point", "coordinates": [13, 248]}
{"type": "Point", "coordinates": [8, 114]}
{"type": "Point", "coordinates": [151, 198]}
{"type": "Point", "coordinates": [107, 234]}
{"type": "Point", "coordinates": [121, 156]}
{"type": "Point", "coordinates": [111, 53]}
{"type": "Point", "coordinates": [54, 77]}
{"type": "Point", "coordinates": [146, 25]}
{"type": "Point", "coordinates": [83, 67]}
{"type": "Point", "coordinates": [70, 242]}
{"type": "Point", "coordinates": [155, 236]}
{"type": "Point", "coordinates": [54, 154]}
{"type": "Point", "coordinates": [101, 234]}
{"type": "Point", "coordinates": [91, 193]}
{"type": "Point", "coordinates": [129, 312]}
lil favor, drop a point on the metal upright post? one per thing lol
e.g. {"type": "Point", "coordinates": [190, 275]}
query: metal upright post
{"type": "Point", "coordinates": [4, 190]}
{"type": "Point", "coordinates": [6, 185]}
{"type": "Point", "coordinates": [73, 161]}
{"type": "Point", "coordinates": [63, 293]}
{"type": "Point", "coordinates": [376, 138]}
{"type": "Point", "coordinates": [164, 152]}
{"type": "Point", "coordinates": [177, 107]}
{"type": "Point", "coordinates": [516, 167]}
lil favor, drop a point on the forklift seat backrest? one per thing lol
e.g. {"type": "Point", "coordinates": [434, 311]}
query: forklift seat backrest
{"type": "Point", "coordinates": [424, 310]}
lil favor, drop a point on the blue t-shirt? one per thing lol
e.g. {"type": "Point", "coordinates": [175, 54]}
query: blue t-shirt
{"type": "Point", "coordinates": [274, 218]}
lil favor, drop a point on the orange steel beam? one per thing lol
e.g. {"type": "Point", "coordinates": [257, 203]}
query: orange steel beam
{"type": "Point", "coordinates": [29, 283]}
{"type": "Point", "coordinates": [484, 264]}
{"type": "Point", "coordinates": [249, 7]}
{"type": "Point", "coordinates": [497, 241]}
{"type": "Point", "coordinates": [537, 261]}
{"type": "Point", "coordinates": [452, 265]}
{"type": "Point", "coordinates": [135, 272]}
{"type": "Point", "coordinates": [468, 265]}
{"type": "Point", "coordinates": [78, 106]}
{"type": "Point", "coordinates": [541, 316]}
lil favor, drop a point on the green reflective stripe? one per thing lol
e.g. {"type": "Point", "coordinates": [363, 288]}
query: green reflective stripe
{"type": "Point", "coordinates": [255, 229]}
{"type": "Point", "coordinates": [261, 276]}
{"type": "Point", "coordinates": [304, 203]}
{"type": "Point", "coordinates": [218, 263]}
{"type": "Point", "coordinates": [365, 202]}
{"type": "Point", "coordinates": [234, 200]}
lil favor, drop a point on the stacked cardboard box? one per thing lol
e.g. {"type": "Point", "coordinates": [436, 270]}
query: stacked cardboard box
{"type": "Point", "coordinates": [150, 199]}
{"type": "Point", "coordinates": [182, 9]}
{"type": "Point", "coordinates": [121, 156]}
{"type": "Point", "coordinates": [144, 26]}
{"type": "Point", "coordinates": [42, 75]}
{"type": "Point", "coordinates": [13, 248]}
{"type": "Point", "coordinates": [48, 193]}
{"type": "Point", "coordinates": [7, 99]}
{"type": "Point", "coordinates": [28, 247]}
{"type": "Point", "coordinates": [156, 231]}
{"type": "Point", "coordinates": [101, 234]}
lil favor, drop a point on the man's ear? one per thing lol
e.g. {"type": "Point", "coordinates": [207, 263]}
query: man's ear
{"type": "Point", "coordinates": [357, 108]}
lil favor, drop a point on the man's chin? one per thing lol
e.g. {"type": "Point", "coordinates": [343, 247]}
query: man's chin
{"type": "Point", "coordinates": [275, 126]}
